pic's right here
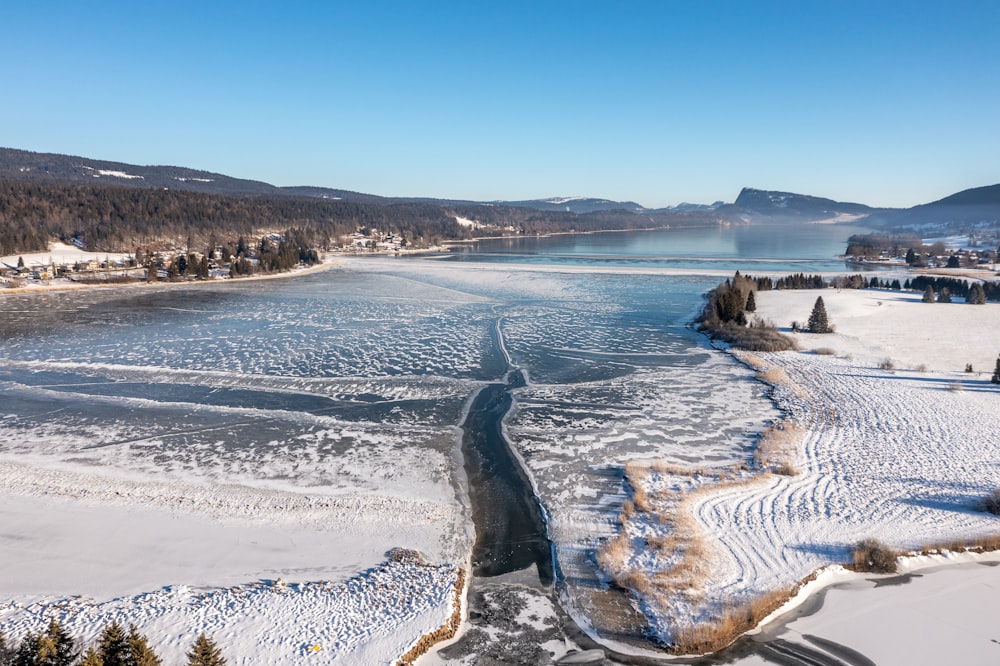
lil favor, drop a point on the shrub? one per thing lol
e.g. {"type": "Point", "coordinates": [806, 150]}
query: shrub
{"type": "Point", "coordinates": [920, 368]}
{"type": "Point", "coordinates": [990, 503]}
{"type": "Point", "coordinates": [871, 555]}
{"type": "Point", "coordinates": [887, 364]}
{"type": "Point", "coordinates": [786, 469]}
{"type": "Point", "coordinates": [824, 351]}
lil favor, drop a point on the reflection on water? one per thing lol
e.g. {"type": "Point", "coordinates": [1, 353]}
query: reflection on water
{"type": "Point", "coordinates": [804, 247]}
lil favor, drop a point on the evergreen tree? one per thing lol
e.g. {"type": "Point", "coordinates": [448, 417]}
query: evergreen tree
{"type": "Point", "coordinates": [151, 273]}
{"type": "Point", "coordinates": [977, 296]}
{"type": "Point", "coordinates": [30, 651]}
{"type": "Point", "coordinates": [751, 305]}
{"type": "Point", "coordinates": [53, 647]}
{"type": "Point", "coordinates": [818, 322]}
{"type": "Point", "coordinates": [996, 373]}
{"type": "Point", "coordinates": [91, 658]}
{"type": "Point", "coordinates": [139, 652]}
{"type": "Point", "coordinates": [20, 263]}
{"type": "Point", "coordinates": [7, 650]}
{"type": "Point", "coordinates": [113, 646]}
{"type": "Point", "coordinates": [911, 257]}
{"type": "Point", "coordinates": [63, 644]}
{"type": "Point", "coordinates": [205, 653]}
{"type": "Point", "coordinates": [944, 296]}
{"type": "Point", "coordinates": [35, 650]}
{"type": "Point", "coordinates": [203, 268]}
{"type": "Point", "coordinates": [928, 295]}
{"type": "Point", "coordinates": [953, 261]}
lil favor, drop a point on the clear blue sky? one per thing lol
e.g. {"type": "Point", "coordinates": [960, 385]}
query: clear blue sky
{"type": "Point", "coordinates": [888, 103]}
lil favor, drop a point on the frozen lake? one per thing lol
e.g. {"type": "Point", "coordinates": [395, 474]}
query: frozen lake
{"type": "Point", "coordinates": [354, 382]}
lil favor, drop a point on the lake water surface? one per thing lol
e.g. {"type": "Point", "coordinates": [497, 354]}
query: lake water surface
{"type": "Point", "coordinates": [357, 380]}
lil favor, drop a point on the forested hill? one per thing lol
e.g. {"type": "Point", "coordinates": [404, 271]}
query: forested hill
{"type": "Point", "coordinates": [109, 218]}
{"type": "Point", "coordinates": [111, 206]}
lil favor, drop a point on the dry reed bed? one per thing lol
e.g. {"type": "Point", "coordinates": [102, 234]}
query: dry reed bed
{"type": "Point", "coordinates": [681, 552]}
{"type": "Point", "coordinates": [662, 556]}
{"type": "Point", "coordinates": [442, 633]}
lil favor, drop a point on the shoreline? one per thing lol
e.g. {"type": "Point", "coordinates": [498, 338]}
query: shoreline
{"type": "Point", "coordinates": [70, 285]}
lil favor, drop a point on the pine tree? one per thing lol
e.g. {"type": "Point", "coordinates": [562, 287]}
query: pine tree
{"type": "Point", "coordinates": [911, 257]}
{"type": "Point", "coordinates": [91, 658]}
{"type": "Point", "coordinates": [977, 295]}
{"type": "Point", "coordinates": [7, 650]}
{"type": "Point", "coordinates": [751, 303]}
{"type": "Point", "coordinates": [996, 373]}
{"type": "Point", "coordinates": [205, 653]}
{"type": "Point", "coordinates": [818, 322]}
{"type": "Point", "coordinates": [928, 295]}
{"type": "Point", "coordinates": [944, 296]}
{"type": "Point", "coordinates": [35, 650]}
{"type": "Point", "coordinates": [140, 654]}
{"type": "Point", "coordinates": [63, 644]}
{"type": "Point", "coordinates": [113, 646]}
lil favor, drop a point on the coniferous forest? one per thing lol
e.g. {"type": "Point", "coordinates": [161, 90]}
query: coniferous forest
{"type": "Point", "coordinates": [120, 219]}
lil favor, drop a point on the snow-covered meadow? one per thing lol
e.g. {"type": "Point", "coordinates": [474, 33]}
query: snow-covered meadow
{"type": "Point", "coordinates": [895, 454]}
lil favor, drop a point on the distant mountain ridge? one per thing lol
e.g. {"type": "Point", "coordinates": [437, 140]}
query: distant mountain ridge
{"type": "Point", "coordinates": [976, 206]}
{"type": "Point", "coordinates": [23, 165]}
{"type": "Point", "coordinates": [789, 204]}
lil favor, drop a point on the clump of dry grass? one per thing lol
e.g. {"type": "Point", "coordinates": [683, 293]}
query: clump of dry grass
{"type": "Point", "coordinates": [773, 375]}
{"type": "Point", "coordinates": [824, 351]}
{"type": "Point", "coordinates": [776, 445]}
{"type": "Point", "coordinates": [871, 555]}
{"type": "Point", "coordinates": [734, 620]}
{"type": "Point", "coordinates": [957, 387]}
{"type": "Point", "coordinates": [981, 544]}
{"type": "Point", "coordinates": [626, 513]}
{"type": "Point", "coordinates": [786, 469]}
{"type": "Point", "coordinates": [990, 503]}
{"type": "Point", "coordinates": [611, 557]}
{"type": "Point", "coordinates": [887, 364]}
{"type": "Point", "coordinates": [920, 368]}
{"type": "Point", "coordinates": [663, 467]}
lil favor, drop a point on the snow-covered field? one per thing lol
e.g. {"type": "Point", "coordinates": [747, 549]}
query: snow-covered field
{"type": "Point", "coordinates": [898, 455]}
{"type": "Point", "coordinates": [60, 253]}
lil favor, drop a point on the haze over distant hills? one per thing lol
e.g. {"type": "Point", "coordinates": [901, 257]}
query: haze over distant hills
{"type": "Point", "coordinates": [82, 197]}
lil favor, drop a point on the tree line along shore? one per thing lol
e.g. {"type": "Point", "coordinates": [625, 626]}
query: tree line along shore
{"type": "Point", "coordinates": [728, 313]}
